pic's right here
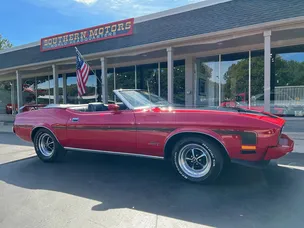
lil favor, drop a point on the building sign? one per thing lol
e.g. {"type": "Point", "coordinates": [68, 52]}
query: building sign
{"type": "Point", "coordinates": [97, 33]}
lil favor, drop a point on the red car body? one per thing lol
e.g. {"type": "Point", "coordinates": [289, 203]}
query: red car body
{"type": "Point", "coordinates": [245, 136]}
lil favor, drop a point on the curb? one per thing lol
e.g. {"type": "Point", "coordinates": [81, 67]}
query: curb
{"type": "Point", "coordinates": [6, 122]}
{"type": "Point", "coordinates": [6, 128]}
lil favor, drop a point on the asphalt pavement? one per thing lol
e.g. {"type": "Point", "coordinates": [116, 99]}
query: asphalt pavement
{"type": "Point", "coordinates": [294, 125]}
{"type": "Point", "coordinates": [94, 190]}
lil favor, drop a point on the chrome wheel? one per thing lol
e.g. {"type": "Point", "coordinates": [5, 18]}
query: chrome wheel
{"type": "Point", "coordinates": [195, 160]}
{"type": "Point", "coordinates": [46, 145]}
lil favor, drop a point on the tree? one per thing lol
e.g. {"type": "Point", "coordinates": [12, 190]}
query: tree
{"type": "Point", "coordinates": [4, 43]}
{"type": "Point", "coordinates": [286, 73]}
{"type": "Point", "coordinates": [237, 77]}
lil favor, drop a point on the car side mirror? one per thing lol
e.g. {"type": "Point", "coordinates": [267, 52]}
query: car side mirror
{"type": "Point", "coordinates": [114, 108]}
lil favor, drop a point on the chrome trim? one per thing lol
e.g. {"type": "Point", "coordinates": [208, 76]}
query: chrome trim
{"type": "Point", "coordinates": [195, 160]}
{"type": "Point", "coordinates": [45, 128]}
{"type": "Point", "coordinates": [44, 144]}
{"type": "Point", "coordinates": [113, 152]}
{"type": "Point", "coordinates": [75, 119]}
{"type": "Point", "coordinates": [198, 133]}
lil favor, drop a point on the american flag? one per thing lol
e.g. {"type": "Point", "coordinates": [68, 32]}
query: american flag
{"type": "Point", "coordinates": [82, 72]}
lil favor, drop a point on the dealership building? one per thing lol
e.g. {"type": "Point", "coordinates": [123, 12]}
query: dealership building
{"type": "Point", "coordinates": [247, 53]}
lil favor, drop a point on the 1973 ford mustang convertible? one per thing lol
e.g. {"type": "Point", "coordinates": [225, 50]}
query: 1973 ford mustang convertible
{"type": "Point", "coordinates": [198, 141]}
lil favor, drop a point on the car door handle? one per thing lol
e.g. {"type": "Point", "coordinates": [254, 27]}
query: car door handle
{"type": "Point", "coordinates": [75, 119]}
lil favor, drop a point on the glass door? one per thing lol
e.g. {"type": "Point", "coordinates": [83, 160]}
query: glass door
{"type": "Point", "coordinates": [207, 82]}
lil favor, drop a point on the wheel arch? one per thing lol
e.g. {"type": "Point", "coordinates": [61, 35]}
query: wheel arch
{"type": "Point", "coordinates": [170, 142]}
{"type": "Point", "coordinates": [37, 128]}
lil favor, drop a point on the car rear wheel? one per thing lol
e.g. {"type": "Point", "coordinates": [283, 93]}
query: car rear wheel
{"type": "Point", "coordinates": [198, 159]}
{"type": "Point", "coordinates": [47, 147]}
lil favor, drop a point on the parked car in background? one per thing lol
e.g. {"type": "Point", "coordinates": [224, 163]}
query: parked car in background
{"type": "Point", "coordinates": [24, 108]}
{"type": "Point", "coordinates": [199, 142]}
{"type": "Point", "coordinates": [9, 108]}
{"type": "Point", "coordinates": [31, 107]}
{"type": "Point", "coordinates": [257, 104]}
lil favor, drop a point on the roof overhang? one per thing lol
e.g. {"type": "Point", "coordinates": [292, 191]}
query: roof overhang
{"type": "Point", "coordinates": [210, 38]}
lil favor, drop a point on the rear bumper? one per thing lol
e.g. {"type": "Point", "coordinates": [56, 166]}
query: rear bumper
{"type": "Point", "coordinates": [284, 147]}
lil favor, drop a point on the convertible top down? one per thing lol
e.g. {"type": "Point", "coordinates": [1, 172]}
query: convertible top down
{"type": "Point", "coordinates": [198, 141]}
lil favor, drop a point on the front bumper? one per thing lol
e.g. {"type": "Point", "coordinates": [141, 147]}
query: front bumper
{"type": "Point", "coordinates": [284, 147]}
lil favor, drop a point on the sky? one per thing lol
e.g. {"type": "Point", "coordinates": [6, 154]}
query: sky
{"type": "Point", "coordinates": [26, 21]}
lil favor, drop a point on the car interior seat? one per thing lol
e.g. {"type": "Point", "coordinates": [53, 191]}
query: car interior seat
{"type": "Point", "coordinates": [97, 107]}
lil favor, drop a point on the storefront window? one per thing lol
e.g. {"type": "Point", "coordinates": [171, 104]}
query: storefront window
{"type": "Point", "coordinates": [288, 81]}
{"type": "Point", "coordinates": [125, 77]}
{"type": "Point", "coordinates": [163, 81]}
{"type": "Point", "coordinates": [60, 88]}
{"type": "Point", "coordinates": [257, 78]}
{"type": "Point", "coordinates": [257, 82]}
{"type": "Point", "coordinates": [179, 82]}
{"type": "Point", "coordinates": [72, 90]}
{"type": "Point", "coordinates": [207, 81]}
{"type": "Point", "coordinates": [91, 90]}
{"type": "Point", "coordinates": [43, 84]}
{"type": "Point", "coordinates": [7, 94]}
{"type": "Point", "coordinates": [29, 91]}
{"type": "Point", "coordinates": [111, 83]}
{"type": "Point", "coordinates": [148, 77]}
{"type": "Point", "coordinates": [234, 80]}
{"type": "Point", "coordinates": [51, 83]}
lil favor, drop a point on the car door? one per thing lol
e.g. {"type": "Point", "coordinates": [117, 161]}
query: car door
{"type": "Point", "coordinates": [153, 127]}
{"type": "Point", "coordinates": [105, 131]}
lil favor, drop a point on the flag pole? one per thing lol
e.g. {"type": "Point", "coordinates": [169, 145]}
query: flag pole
{"type": "Point", "coordinates": [88, 64]}
{"type": "Point", "coordinates": [90, 68]}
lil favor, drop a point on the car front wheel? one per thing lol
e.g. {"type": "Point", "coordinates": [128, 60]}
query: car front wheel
{"type": "Point", "coordinates": [198, 159]}
{"type": "Point", "coordinates": [47, 147]}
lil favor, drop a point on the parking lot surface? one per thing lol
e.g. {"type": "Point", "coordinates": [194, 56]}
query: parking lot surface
{"type": "Point", "coordinates": [94, 190]}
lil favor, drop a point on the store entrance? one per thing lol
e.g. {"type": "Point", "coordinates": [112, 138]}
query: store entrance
{"type": "Point", "coordinates": [207, 83]}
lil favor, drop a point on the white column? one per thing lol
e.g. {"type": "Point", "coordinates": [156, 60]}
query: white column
{"type": "Point", "coordinates": [13, 99]}
{"type": "Point", "coordinates": [36, 90]}
{"type": "Point", "coordinates": [189, 81]}
{"type": "Point", "coordinates": [104, 80]}
{"type": "Point", "coordinates": [55, 77]}
{"type": "Point", "coordinates": [64, 88]}
{"type": "Point", "coordinates": [114, 71]}
{"type": "Point", "coordinates": [170, 69]}
{"type": "Point", "coordinates": [158, 74]}
{"type": "Point", "coordinates": [249, 81]}
{"type": "Point", "coordinates": [96, 88]}
{"type": "Point", "coordinates": [195, 89]}
{"type": "Point", "coordinates": [267, 69]}
{"type": "Point", "coordinates": [19, 90]}
{"type": "Point", "coordinates": [49, 89]}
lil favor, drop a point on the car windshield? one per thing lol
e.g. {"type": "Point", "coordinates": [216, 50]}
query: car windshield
{"type": "Point", "coordinates": [141, 98]}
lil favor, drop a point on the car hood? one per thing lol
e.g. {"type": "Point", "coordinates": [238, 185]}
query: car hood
{"type": "Point", "coordinates": [235, 111]}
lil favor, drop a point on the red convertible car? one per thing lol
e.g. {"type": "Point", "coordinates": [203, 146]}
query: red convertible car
{"type": "Point", "coordinates": [198, 141]}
